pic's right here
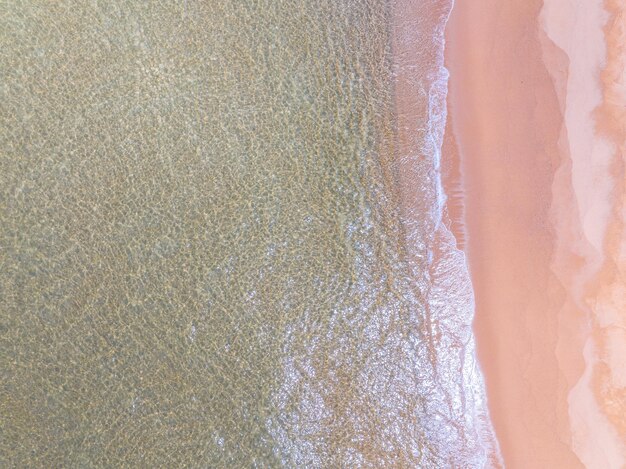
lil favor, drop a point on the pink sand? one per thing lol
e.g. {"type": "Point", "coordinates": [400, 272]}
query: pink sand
{"type": "Point", "coordinates": [536, 109]}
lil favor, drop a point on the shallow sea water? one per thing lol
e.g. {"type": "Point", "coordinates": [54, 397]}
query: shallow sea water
{"type": "Point", "coordinates": [203, 260]}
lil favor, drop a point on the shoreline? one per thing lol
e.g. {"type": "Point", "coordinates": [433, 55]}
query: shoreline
{"type": "Point", "coordinates": [429, 220]}
{"type": "Point", "coordinates": [506, 120]}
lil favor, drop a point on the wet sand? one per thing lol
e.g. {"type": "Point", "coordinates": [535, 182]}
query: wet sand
{"type": "Point", "coordinates": [521, 112]}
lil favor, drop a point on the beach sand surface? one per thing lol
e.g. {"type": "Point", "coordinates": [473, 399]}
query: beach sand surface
{"type": "Point", "coordinates": [540, 138]}
{"type": "Point", "coordinates": [507, 119]}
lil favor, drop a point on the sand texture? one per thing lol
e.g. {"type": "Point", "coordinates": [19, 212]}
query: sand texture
{"type": "Point", "coordinates": [540, 139]}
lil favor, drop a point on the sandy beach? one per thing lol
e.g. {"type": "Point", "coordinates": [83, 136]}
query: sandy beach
{"type": "Point", "coordinates": [496, 100]}
{"type": "Point", "coordinates": [282, 234]}
{"type": "Point", "coordinates": [541, 193]}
